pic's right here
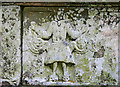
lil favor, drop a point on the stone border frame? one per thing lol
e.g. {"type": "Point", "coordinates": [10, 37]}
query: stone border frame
{"type": "Point", "coordinates": [61, 4]}
{"type": "Point", "coordinates": [66, 4]}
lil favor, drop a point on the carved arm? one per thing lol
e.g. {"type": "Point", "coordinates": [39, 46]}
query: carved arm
{"type": "Point", "coordinates": [43, 33]}
{"type": "Point", "coordinates": [73, 33]}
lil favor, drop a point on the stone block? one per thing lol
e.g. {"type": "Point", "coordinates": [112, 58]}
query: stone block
{"type": "Point", "coordinates": [70, 45]}
{"type": "Point", "coordinates": [10, 58]}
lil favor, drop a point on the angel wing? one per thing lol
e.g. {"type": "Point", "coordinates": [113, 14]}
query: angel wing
{"type": "Point", "coordinates": [36, 45]}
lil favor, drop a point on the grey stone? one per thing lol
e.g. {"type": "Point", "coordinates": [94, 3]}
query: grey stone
{"type": "Point", "coordinates": [61, 1]}
{"type": "Point", "coordinates": [10, 65]}
{"type": "Point", "coordinates": [70, 46]}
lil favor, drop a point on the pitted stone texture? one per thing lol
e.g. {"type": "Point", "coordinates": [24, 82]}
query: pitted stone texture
{"type": "Point", "coordinates": [99, 64]}
{"type": "Point", "coordinates": [88, 35]}
{"type": "Point", "coordinates": [10, 65]}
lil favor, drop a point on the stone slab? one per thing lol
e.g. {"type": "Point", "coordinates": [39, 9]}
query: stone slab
{"type": "Point", "coordinates": [10, 58]}
{"type": "Point", "coordinates": [60, 1]}
{"type": "Point", "coordinates": [89, 36]}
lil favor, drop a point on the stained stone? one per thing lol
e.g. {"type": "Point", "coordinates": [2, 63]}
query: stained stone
{"type": "Point", "coordinates": [70, 46]}
{"type": "Point", "coordinates": [10, 66]}
{"type": "Point", "coordinates": [61, 46]}
{"type": "Point", "coordinates": [0, 43]}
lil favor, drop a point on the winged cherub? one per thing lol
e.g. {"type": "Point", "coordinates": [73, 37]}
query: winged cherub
{"type": "Point", "coordinates": [58, 48]}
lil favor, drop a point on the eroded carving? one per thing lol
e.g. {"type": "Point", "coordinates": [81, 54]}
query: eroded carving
{"type": "Point", "coordinates": [88, 37]}
{"type": "Point", "coordinates": [57, 46]}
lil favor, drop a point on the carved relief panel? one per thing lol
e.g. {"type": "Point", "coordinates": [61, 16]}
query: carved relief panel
{"type": "Point", "coordinates": [70, 46]}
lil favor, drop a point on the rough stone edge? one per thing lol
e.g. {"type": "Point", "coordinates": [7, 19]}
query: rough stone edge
{"type": "Point", "coordinates": [60, 0]}
{"type": "Point", "coordinates": [119, 52]}
{"type": "Point", "coordinates": [1, 7]}
{"type": "Point", "coordinates": [0, 36]}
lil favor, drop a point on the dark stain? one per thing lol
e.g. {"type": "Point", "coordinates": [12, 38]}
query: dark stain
{"type": "Point", "coordinates": [104, 16]}
{"type": "Point", "coordinates": [40, 72]}
{"type": "Point", "coordinates": [4, 20]}
{"type": "Point", "coordinates": [4, 70]}
{"type": "Point", "coordinates": [89, 25]}
{"type": "Point", "coordinates": [35, 55]}
{"type": "Point", "coordinates": [70, 56]}
{"type": "Point", "coordinates": [40, 64]}
{"type": "Point", "coordinates": [6, 40]}
{"type": "Point", "coordinates": [7, 45]}
{"type": "Point", "coordinates": [100, 53]}
{"type": "Point", "coordinates": [26, 82]}
{"type": "Point", "coordinates": [84, 14]}
{"type": "Point", "coordinates": [79, 78]}
{"type": "Point", "coordinates": [84, 22]}
{"type": "Point", "coordinates": [6, 30]}
{"type": "Point", "coordinates": [60, 38]}
{"type": "Point", "coordinates": [109, 22]}
{"type": "Point", "coordinates": [106, 77]}
{"type": "Point", "coordinates": [46, 50]}
{"type": "Point", "coordinates": [6, 84]}
{"type": "Point", "coordinates": [9, 62]}
{"type": "Point", "coordinates": [39, 61]}
{"type": "Point", "coordinates": [12, 19]}
{"type": "Point", "coordinates": [5, 58]}
{"type": "Point", "coordinates": [110, 62]}
{"type": "Point", "coordinates": [37, 45]}
{"type": "Point", "coordinates": [94, 65]}
{"type": "Point", "coordinates": [40, 51]}
{"type": "Point", "coordinates": [12, 37]}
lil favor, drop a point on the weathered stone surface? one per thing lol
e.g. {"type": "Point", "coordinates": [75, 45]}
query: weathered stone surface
{"type": "Point", "coordinates": [73, 45]}
{"type": "Point", "coordinates": [0, 41]}
{"type": "Point", "coordinates": [61, 1]}
{"type": "Point", "coordinates": [10, 68]}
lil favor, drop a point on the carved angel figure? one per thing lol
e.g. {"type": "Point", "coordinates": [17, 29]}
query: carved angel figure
{"type": "Point", "coordinates": [57, 48]}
